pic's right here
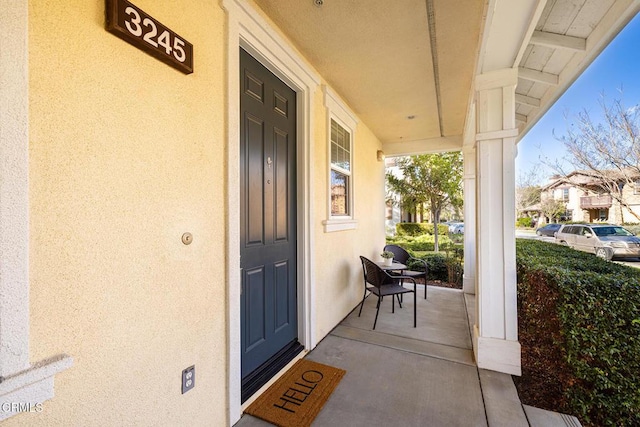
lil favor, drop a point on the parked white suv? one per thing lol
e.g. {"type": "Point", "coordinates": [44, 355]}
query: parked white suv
{"type": "Point", "coordinates": [605, 240]}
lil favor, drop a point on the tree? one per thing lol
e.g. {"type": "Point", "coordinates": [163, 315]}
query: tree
{"type": "Point", "coordinates": [431, 179]}
{"type": "Point", "coordinates": [607, 151]}
{"type": "Point", "coordinates": [553, 209]}
{"type": "Point", "coordinates": [528, 190]}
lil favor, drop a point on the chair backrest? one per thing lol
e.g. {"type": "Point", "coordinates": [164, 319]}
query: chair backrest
{"type": "Point", "coordinates": [399, 254]}
{"type": "Point", "coordinates": [373, 274]}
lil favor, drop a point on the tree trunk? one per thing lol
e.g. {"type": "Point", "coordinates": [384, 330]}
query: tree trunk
{"type": "Point", "coordinates": [436, 221]}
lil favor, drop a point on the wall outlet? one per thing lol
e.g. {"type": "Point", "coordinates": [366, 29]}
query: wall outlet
{"type": "Point", "coordinates": [188, 378]}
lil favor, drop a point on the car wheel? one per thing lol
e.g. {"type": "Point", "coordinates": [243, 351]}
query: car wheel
{"type": "Point", "coordinates": [604, 253]}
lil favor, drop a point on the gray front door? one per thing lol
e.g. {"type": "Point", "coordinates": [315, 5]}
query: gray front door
{"type": "Point", "coordinates": [268, 223]}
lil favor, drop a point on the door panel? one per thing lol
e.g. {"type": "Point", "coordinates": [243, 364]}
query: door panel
{"type": "Point", "coordinates": [267, 217]}
{"type": "Point", "coordinates": [255, 299]}
{"type": "Point", "coordinates": [254, 131]}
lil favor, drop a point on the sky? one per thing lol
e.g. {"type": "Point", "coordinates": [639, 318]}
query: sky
{"type": "Point", "coordinates": [615, 72]}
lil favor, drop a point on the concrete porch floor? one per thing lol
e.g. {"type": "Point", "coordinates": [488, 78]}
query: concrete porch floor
{"type": "Point", "coordinates": [424, 376]}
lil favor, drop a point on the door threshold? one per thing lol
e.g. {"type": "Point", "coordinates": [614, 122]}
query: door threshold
{"type": "Point", "coordinates": [270, 369]}
{"type": "Point", "coordinates": [275, 378]}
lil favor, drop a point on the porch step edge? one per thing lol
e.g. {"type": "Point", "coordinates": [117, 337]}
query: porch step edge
{"type": "Point", "coordinates": [424, 348]}
{"type": "Point", "coordinates": [543, 418]}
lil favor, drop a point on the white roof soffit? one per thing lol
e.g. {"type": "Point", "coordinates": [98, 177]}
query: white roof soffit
{"type": "Point", "coordinates": [551, 42]}
{"type": "Point", "coordinates": [567, 38]}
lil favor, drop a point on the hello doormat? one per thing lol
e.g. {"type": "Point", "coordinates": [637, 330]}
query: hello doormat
{"type": "Point", "coordinates": [298, 396]}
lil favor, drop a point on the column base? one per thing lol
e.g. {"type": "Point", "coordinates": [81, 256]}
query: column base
{"type": "Point", "coordinates": [497, 354]}
{"type": "Point", "coordinates": [469, 285]}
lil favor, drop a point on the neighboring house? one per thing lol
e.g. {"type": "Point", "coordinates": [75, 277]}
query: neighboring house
{"type": "Point", "coordinates": [587, 199]}
{"type": "Point", "coordinates": [150, 202]}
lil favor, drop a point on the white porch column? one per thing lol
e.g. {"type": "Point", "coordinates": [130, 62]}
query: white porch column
{"type": "Point", "coordinates": [496, 330]}
{"type": "Point", "coordinates": [469, 193]}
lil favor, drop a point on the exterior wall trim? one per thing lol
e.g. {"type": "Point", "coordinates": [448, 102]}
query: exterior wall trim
{"type": "Point", "coordinates": [337, 110]}
{"type": "Point", "coordinates": [249, 30]}
{"type": "Point", "coordinates": [20, 382]}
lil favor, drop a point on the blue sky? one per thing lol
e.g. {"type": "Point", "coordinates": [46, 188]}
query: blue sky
{"type": "Point", "coordinates": [617, 67]}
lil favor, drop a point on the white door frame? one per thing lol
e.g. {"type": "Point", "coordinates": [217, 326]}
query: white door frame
{"type": "Point", "coordinates": [247, 29]}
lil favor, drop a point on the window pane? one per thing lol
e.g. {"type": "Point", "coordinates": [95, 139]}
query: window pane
{"type": "Point", "coordinates": [339, 193]}
{"type": "Point", "coordinates": [340, 146]}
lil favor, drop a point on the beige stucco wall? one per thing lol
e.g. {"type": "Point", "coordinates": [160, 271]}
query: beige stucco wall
{"type": "Point", "coordinates": [633, 201]}
{"type": "Point", "coordinates": [338, 278]}
{"type": "Point", "coordinates": [127, 154]}
{"type": "Point", "coordinates": [574, 203]}
{"type": "Point", "coordinates": [124, 158]}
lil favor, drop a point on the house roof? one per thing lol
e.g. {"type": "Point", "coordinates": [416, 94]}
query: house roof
{"type": "Point", "coordinates": [587, 178]}
{"type": "Point", "coordinates": [531, 208]}
{"type": "Point", "coordinates": [408, 68]}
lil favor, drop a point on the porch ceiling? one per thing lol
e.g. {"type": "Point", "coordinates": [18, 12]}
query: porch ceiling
{"type": "Point", "coordinates": [393, 60]}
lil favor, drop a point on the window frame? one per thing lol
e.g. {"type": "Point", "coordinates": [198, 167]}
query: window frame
{"type": "Point", "coordinates": [338, 112]}
{"type": "Point", "coordinates": [348, 173]}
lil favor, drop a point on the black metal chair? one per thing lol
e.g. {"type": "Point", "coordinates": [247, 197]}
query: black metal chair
{"type": "Point", "coordinates": [403, 257]}
{"type": "Point", "coordinates": [383, 284]}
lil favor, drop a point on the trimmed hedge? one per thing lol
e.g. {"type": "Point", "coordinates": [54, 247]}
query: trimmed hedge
{"type": "Point", "coordinates": [524, 222]}
{"type": "Point", "coordinates": [422, 243]}
{"type": "Point", "coordinates": [594, 308]}
{"type": "Point", "coordinates": [415, 229]}
{"type": "Point", "coordinates": [439, 265]}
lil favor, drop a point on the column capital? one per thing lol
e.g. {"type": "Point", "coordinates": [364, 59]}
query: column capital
{"type": "Point", "coordinates": [496, 79]}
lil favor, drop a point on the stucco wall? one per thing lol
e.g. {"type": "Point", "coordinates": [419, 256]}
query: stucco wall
{"type": "Point", "coordinates": [633, 201]}
{"type": "Point", "coordinates": [338, 277]}
{"type": "Point", "coordinates": [574, 203]}
{"type": "Point", "coordinates": [127, 154]}
{"type": "Point", "coordinates": [124, 158]}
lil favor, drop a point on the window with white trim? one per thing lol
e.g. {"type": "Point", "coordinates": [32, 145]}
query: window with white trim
{"type": "Point", "coordinates": [340, 171]}
{"type": "Point", "coordinates": [341, 125]}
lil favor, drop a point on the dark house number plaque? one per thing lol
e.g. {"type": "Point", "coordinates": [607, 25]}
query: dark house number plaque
{"type": "Point", "coordinates": [133, 25]}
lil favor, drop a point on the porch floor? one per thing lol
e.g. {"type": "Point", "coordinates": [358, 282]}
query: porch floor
{"type": "Point", "coordinates": [424, 376]}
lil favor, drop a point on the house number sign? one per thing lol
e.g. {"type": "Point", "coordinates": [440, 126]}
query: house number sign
{"type": "Point", "coordinates": [133, 25]}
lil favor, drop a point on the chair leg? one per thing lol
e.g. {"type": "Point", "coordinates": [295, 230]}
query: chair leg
{"type": "Point", "coordinates": [393, 304]}
{"type": "Point", "coordinates": [362, 303]}
{"type": "Point", "coordinates": [377, 311]}
{"type": "Point", "coordinates": [415, 303]}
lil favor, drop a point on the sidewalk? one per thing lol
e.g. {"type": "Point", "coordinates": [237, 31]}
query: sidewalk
{"type": "Point", "coordinates": [424, 376]}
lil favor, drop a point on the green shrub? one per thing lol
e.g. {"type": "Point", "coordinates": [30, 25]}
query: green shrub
{"type": "Point", "coordinates": [437, 262]}
{"type": "Point", "coordinates": [436, 266]}
{"type": "Point", "coordinates": [595, 307]}
{"type": "Point", "coordinates": [411, 229]}
{"type": "Point", "coordinates": [425, 242]}
{"type": "Point", "coordinates": [416, 229]}
{"type": "Point", "coordinates": [524, 222]}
